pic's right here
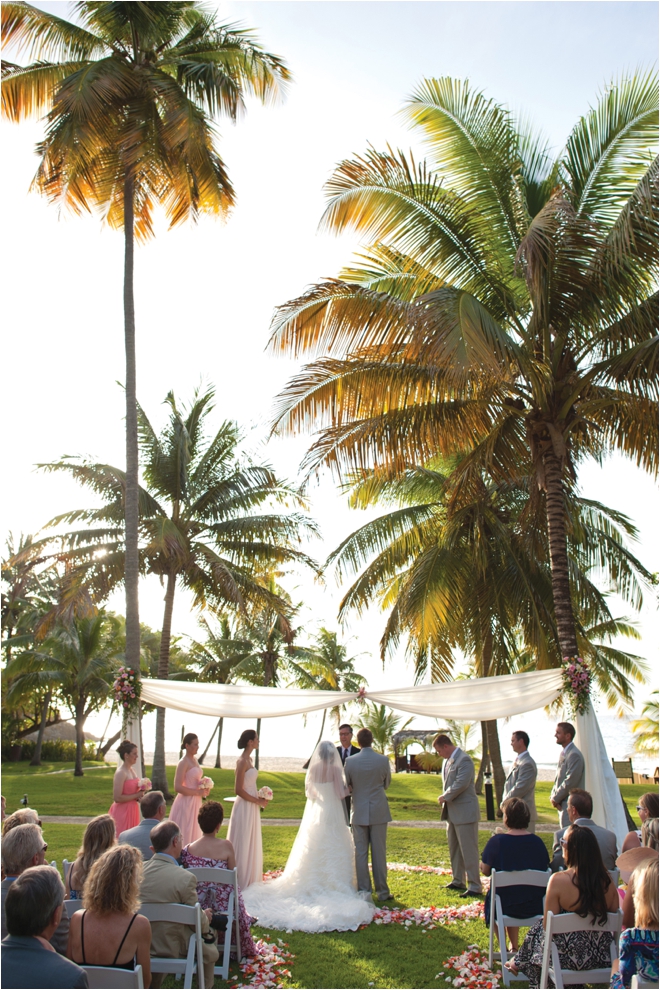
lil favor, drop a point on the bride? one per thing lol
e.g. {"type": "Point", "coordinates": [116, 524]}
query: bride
{"type": "Point", "coordinates": [317, 891]}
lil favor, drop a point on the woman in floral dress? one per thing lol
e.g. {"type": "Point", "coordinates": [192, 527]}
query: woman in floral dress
{"type": "Point", "coordinates": [214, 852]}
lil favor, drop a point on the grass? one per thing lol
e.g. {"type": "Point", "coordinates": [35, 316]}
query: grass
{"type": "Point", "coordinates": [411, 796]}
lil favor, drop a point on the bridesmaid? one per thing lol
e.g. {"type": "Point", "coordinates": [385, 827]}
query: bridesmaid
{"type": "Point", "coordinates": [189, 794]}
{"type": "Point", "coordinates": [126, 789]}
{"type": "Point", "coordinates": [244, 831]}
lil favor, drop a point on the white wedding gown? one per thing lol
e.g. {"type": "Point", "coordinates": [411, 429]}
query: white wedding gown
{"type": "Point", "coordinates": [317, 891]}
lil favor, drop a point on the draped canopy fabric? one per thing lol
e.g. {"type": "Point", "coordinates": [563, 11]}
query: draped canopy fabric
{"type": "Point", "coordinates": [470, 700]}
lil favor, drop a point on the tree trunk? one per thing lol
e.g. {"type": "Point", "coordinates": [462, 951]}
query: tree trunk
{"type": "Point", "coordinates": [496, 760]}
{"type": "Point", "coordinates": [131, 498]}
{"type": "Point", "coordinates": [561, 591]}
{"type": "Point", "coordinates": [256, 752]}
{"type": "Point", "coordinates": [218, 763]}
{"type": "Point", "coordinates": [99, 750]}
{"type": "Point", "coordinates": [485, 759]}
{"type": "Point", "coordinates": [36, 759]}
{"type": "Point", "coordinates": [159, 772]}
{"type": "Point", "coordinates": [80, 738]}
{"type": "Point", "coordinates": [102, 750]}
{"type": "Point", "coordinates": [200, 759]}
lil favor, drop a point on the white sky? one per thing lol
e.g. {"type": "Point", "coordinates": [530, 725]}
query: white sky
{"type": "Point", "coordinates": [205, 294]}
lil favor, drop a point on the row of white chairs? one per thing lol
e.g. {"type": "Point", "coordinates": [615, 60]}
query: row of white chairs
{"type": "Point", "coordinates": [182, 914]}
{"type": "Point", "coordinates": [555, 925]}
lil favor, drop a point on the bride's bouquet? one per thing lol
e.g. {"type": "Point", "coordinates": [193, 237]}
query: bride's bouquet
{"type": "Point", "coordinates": [207, 783]}
{"type": "Point", "coordinates": [144, 784]}
{"type": "Point", "coordinates": [265, 792]}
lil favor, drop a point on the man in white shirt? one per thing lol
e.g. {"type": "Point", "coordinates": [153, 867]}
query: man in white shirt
{"type": "Point", "coordinates": [521, 779]}
{"type": "Point", "coordinates": [346, 749]}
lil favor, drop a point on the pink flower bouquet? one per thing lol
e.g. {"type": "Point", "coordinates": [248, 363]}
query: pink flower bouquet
{"type": "Point", "coordinates": [145, 784]}
{"type": "Point", "coordinates": [265, 792]}
{"type": "Point", "coordinates": [207, 783]}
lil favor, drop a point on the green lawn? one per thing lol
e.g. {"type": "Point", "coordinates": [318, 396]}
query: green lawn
{"type": "Point", "coordinates": [411, 796]}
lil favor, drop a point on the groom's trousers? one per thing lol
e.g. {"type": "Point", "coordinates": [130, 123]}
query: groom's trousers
{"type": "Point", "coordinates": [463, 842]}
{"type": "Point", "coordinates": [376, 837]}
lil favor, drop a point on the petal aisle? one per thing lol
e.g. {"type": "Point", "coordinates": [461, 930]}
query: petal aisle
{"type": "Point", "coordinates": [472, 968]}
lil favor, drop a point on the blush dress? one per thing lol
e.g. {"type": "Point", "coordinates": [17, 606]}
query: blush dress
{"type": "Point", "coordinates": [126, 814]}
{"type": "Point", "coordinates": [185, 807]}
{"type": "Point", "coordinates": [244, 833]}
{"type": "Point", "coordinates": [216, 897]}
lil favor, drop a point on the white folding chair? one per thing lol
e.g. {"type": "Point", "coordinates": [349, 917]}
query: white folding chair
{"type": "Point", "coordinates": [66, 866]}
{"type": "Point", "coordinates": [615, 876]}
{"type": "Point", "coordinates": [179, 914]}
{"type": "Point", "coordinates": [71, 907]}
{"type": "Point", "coordinates": [639, 981]}
{"type": "Point", "coordinates": [213, 874]}
{"type": "Point", "coordinates": [499, 920]}
{"type": "Point", "coordinates": [559, 924]}
{"type": "Point", "coordinates": [109, 978]}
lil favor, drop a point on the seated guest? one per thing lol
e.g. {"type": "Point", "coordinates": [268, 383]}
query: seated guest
{"type": "Point", "coordinates": [584, 888]}
{"type": "Point", "coordinates": [109, 931]}
{"type": "Point", "coordinates": [580, 807]}
{"type": "Point", "coordinates": [631, 863]}
{"type": "Point", "coordinates": [153, 810]}
{"type": "Point", "coordinates": [99, 836]}
{"type": "Point", "coordinates": [515, 849]}
{"type": "Point", "coordinates": [24, 816]}
{"type": "Point", "coordinates": [647, 809]}
{"type": "Point", "coordinates": [165, 882]}
{"type": "Point", "coordinates": [638, 946]}
{"type": "Point", "coordinates": [22, 848]}
{"type": "Point", "coordinates": [214, 852]}
{"type": "Point", "coordinates": [34, 910]}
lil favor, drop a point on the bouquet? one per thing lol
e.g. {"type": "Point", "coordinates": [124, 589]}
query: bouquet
{"type": "Point", "coordinates": [207, 783]}
{"type": "Point", "coordinates": [577, 681]}
{"type": "Point", "coordinates": [145, 784]}
{"type": "Point", "coordinates": [265, 792]}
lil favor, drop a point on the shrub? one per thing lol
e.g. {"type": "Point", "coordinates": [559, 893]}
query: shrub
{"type": "Point", "coordinates": [56, 751]}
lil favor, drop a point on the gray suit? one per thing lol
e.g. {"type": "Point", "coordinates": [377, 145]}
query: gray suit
{"type": "Point", "coordinates": [59, 940]}
{"type": "Point", "coordinates": [606, 843]}
{"type": "Point", "coordinates": [140, 837]}
{"type": "Point", "coordinates": [570, 774]}
{"type": "Point", "coordinates": [26, 963]}
{"type": "Point", "coordinates": [461, 811]}
{"type": "Point", "coordinates": [521, 783]}
{"type": "Point", "coordinates": [369, 775]}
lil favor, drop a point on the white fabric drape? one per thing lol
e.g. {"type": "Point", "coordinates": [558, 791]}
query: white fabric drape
{"type": "Point", "coordinates": [477, 699]}
{"type": "Point", "coordinates": [599, 777]}
{"type": "Point", "coordinates": [239, 700]}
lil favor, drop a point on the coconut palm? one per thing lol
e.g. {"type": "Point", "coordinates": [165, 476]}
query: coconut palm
{"type": "Point", "coordinates": [206, 522]}
{"type": "Point", "coordinates": [505, 306]}
{"type": "Point", "coordinates": [129, 92]}
{"type": "Point", "coordinates": [79, 660]}
{"type": "Point", "coordinates": [646, 727]}
{"type": "Point", "coordinates": [382, 723]}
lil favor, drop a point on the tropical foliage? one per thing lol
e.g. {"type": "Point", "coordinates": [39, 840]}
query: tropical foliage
{"type": "Point", "coordinates": [129, 92]}
{"type": "Point", "coordinates": [504, 310]}
{"type": "Point", "coordinates": [382, 723]}
{"type": "Point", "coordinates": [646, 728]}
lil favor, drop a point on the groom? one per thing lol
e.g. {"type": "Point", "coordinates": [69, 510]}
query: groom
{"type": "Point", "coordinates": [369, 776]}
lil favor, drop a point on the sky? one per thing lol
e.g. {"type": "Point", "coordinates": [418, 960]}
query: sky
{"type": "Point", "coordinates": [205, 294]}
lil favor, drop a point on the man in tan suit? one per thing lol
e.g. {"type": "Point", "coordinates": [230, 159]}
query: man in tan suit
{"type": "Point", "coordinates": [460, 809]}
{"type": "Point", "coordinates": [165, 882]}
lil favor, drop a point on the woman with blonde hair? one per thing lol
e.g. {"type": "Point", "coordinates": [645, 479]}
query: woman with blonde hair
{"type": "Point", "coordinates": [109, 931]}
{"type": "Point", "coordinates": [24, 816]}
{"type": "Point", "coordinates": [647, 809]}
{"type": "Point", "coordinates": [99, 836]}
{"type": "Point", "coordinates": [638, 946]}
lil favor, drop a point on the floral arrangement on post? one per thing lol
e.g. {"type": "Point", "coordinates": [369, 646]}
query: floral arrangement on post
{"type": "Point", "coordinates": [127, 689]}
{"type": "Point", "coordinates": [577, 683]}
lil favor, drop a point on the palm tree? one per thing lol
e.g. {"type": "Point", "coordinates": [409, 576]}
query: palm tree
{"type": "Point", "coordinates": [505, 308]}
{"type": "Point", "coordinates": [129, 93]}
{"type": "Point", "coordinates": [382, 723]}
{"type": "Point", "coordinates": [79, 660]}
{"type": "Point", "coordinates": [206, 521]}
{"type": "Point", "coordinates": [333, 671]}
{"type": "Point", "coordinates": [646, 727]}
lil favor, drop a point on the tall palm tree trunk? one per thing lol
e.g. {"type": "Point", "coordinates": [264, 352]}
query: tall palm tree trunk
{"type": "Point", "coordinates": [200, 759]}
{"type": "Point", "coordinates": [131, 503]}
{"type": "Point", "coordinates": [218, 763]}
{"type": "Point", "coordinates": [80, 737]}
{"type": "Point", "coordinates": [36, 759]}
{"type": "Point", "coordinates": [485, 759]}
{"type": "Point", "coordinates": [159, 772]}
{"type": "Point", "coordinates": [496, 760]}
{"type": "Point", "coordinates": [561, 592]}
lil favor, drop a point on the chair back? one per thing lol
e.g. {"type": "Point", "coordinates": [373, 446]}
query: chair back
{"type": "Point", "coordinates": [615, 876]}
{"type": "Point", "coordinates": [66, 867]}
{"type": "Point", "coordinates": [212, 874]}
{"type": "Point", "coordinates": [109, 978]}
{"type": "Point", "coordinates": [499, 921]}
{"type": "Point", "coordinates": [519, 878]}
{"type": "Point", "coordinates": [562, 923]}
{"type": "Point", "coordinates": [71, 907]}
{"type": "Point", "coordinates": [557, 924]}
{"type": "Point", "coordinates": [639, 981]}
{"type": "Point", "coordinates": [218, 875]}
{"type": "Point", "coordinates": [180, 914]}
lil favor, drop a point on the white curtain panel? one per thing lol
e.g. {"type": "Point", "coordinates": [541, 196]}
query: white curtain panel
{"type": "Point", "coordinates": [599, 776]}
{"type": "Point", "coordinates": [239, 700]}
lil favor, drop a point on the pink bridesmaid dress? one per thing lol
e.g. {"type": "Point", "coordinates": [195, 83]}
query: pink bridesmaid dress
{"type": "Point", "coordinates": [185, 807]}
{"type": "Point", "coordinates": [126, 814]}
{"type": "Point", "coordinates": [244, 833]}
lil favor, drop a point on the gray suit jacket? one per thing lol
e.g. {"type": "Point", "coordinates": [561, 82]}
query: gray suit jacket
{"type": "Point", "coordinates": [59, 940]}
{"type": "Point", "coordinates": [140, 837]}
{"type": "Point", "coordinates": [521, 782]}
{"type": "Point", "coordinates": [25, 963]}
{"type": "Point", "coordinates": [369, 775]}
{"type": "Point", "coordinates": [570, 773]}
{"type": "Point", "coordinates": [462, 804]}
{"type": "Point", "coordinates": [606, 843]}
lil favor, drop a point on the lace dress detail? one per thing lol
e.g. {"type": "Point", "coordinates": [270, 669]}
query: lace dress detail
{"type": "Point", "coordinates": [577, 950]}
{"type": "Point", "coordinates": [216, 897]}
{"type": "Point", "coordinates": [317, 891]}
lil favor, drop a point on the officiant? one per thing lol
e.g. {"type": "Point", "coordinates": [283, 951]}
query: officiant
{"type": "Point", "coordinates": [346, 749]}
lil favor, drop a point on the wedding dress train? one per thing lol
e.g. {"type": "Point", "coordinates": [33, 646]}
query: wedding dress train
{"type": "Point", "coordinates": [317, 891]}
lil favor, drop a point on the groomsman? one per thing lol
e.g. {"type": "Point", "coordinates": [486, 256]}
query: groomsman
{"type": "Point", "coordinates": [521, 780]}
{"type": "Point", "coordinates": [346, 749]}
{"type": "Point", "coordinates": [460, 809]}
{"type": "Point", "coordinates": [570, 771]}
